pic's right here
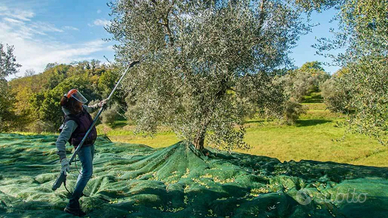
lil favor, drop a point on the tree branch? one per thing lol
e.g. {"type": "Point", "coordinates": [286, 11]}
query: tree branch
{"type": "Point", "coordinates": [261, 18]}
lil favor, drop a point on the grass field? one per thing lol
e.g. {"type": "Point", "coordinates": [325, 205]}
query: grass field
{"type": "Point", "coordinates": [318, 135]}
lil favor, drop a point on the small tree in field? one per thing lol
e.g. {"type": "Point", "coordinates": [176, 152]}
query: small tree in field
{"type": "Point", "coordinates": [298, 83]}
{"type": "Point", "coordinates": [336, 93]}
{"type": "Point", "coordinates": [110, 114]}
{"type": "Point", "coordinates": [8, 66]}
{"type": "Point", "coordinates": [205, 64]}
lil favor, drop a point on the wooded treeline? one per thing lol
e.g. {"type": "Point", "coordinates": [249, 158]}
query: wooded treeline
{"type": "Point", "coordinates": [34, 100]}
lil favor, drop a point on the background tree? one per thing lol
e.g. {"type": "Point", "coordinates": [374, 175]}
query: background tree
{"type": "Point", "coordinates": [23, 89]}
{"type": "Point", "coordinates": [8, 66]}
{"type": "Point", "coordinates": [202, 62]}
{"type": "Point", "coordinates": [111, 114]}
{"type": "Point", "coordinates": [36, 97]}
{"type": "Point", "coordinates": [29, 72]}
{"type": "Point", "coordinates": [46, 103]}
{"type": "Point", "coordinates": [336, 93]}
{"type": "Point", "coordinates": [301, 82]}
{"type": "Point", "coordinates": [363, 32]}
{"type": "Point", "coordinates": [295, 85]}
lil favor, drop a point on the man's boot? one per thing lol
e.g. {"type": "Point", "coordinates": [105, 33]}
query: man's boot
{"type": "Point", "coordinates": [74, 208]}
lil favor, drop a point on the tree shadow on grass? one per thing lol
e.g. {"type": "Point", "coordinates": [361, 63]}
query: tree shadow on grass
{"type": "Point", "coordinates": [254, 121]}
{"type": "Point", "coordinates": [309, 170]}
{"type": "Point", "coordinates": [119, 124]}
{"type": "Point", "coordinates": [302, 123]}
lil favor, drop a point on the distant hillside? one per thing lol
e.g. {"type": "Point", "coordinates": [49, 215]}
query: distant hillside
{"type": "Point", "coordinates": [36, 98]}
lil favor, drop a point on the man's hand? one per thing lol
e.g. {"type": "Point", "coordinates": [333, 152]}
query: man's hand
{"type": "Point", "coordinates": [65, 167]}
{"type": "Point", "coordinates": [102, 102]}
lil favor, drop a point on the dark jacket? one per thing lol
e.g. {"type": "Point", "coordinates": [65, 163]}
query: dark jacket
{"type": "Point", "coordinates": [84, 121]}
{"type": "Point", "coordinates": [67, 131]}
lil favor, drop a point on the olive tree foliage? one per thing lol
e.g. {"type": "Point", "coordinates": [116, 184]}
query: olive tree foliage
{"type": "Point", "coordinates": [36, 98]}
{"type": "Point", "coordinates": [363, 31]}
{"type": "Point", "coordinates": [46, 103]}
{"type": "Point", "coordinates": [8, 66]}
{"type": "Point", "coordinates": [336, 93]}
{"type": "Point", "coordinates": [295, 85]}
{"type": "Point", "coordinates": [205, 64]}
{"type": "Point", "coordinates": [298, 83]}
{"type": "Point", "coordinates": [316, 76]}
{"type": "Point", "coordinates": [110, 115]}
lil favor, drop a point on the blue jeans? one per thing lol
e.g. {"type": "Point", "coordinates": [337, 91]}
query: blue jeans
{"type": "Point", "coordinates": [85, 155]}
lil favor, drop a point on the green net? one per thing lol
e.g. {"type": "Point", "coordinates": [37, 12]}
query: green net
{"type": "Point", "coordinates": [132, 180]}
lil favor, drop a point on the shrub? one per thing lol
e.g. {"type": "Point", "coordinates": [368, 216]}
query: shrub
{"type": "Point", "coordinates": [292, 111]}
{"type": "Point", "coordinates": [110, 114]}
{"type": "Point", "coordinates": [336, 95]}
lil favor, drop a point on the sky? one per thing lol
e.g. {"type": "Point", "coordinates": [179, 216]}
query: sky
{"type": "Point", "coordinates": [64, 31]}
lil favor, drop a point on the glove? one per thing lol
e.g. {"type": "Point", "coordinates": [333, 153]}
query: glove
{"type": "Point", "coordinates": [102, 102]}
{"type": "Point", "coordinates": [65, 167]}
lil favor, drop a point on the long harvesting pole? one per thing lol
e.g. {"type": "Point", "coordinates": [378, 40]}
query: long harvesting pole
{"type": "Point", "coordinates": [100, 111]}
{"type": "Point", "coordinates": [62, 177]}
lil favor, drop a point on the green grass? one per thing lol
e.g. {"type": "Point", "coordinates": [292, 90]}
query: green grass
{"type": "Point", "coordinates": [313, 97]}
{"type": "Point", "coordinates": [320, 140]}
{"type": "Point", "coordinates": [316, 136]}
{"type": "Point", "coordinates": [163, 138]}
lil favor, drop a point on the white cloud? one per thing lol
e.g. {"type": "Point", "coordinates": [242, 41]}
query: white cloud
{"type": "Point", "coordinates": [11, 20]}
{"type": "Point", "coordinates": [23, 27]}
{"type": "Point", "coordinates": [70, 28]}
{"type": "Point", "coordinates": [35, 46]}
{"type": "Point", "coordinates": [24, 15]}
{"type": "Point", "coordinates": [60, 53]}
{"type": "Point", "coordinates": [45, 27]}
{"type": "Point", "coordinates": [101, 22]}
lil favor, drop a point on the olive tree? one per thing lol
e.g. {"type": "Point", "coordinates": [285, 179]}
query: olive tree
{"type": "Point", "coordinates": [363, 32]}
{"type": "Point", "coordinates": [300, 82]}
{"type": "Point", "coordinates": [8, 66]}
{"type": "Point", "coordinates": [110, 114]}
{"type": "Point", "coordinates": [205, 64]}
{"type": "Point", "coordinates": [335, 93]}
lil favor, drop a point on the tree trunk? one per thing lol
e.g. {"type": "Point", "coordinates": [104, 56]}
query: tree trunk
{"type": "Point", "coordinates": [199, 140]}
